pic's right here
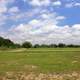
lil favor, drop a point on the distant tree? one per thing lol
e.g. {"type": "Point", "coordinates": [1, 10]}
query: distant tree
{"type": "Point", "coordinates": [1, 41]}
{"type": "Point", "coordinates": [7, 43]}
{"type": "Point", "coordinates": [70, 45]}
{"type": "Point", "coordinates": [36, 46]}
{"type": "Point", "coordinates": [61, 45]}
{"type": "Point", "coordinates": [17, 46]}
{"type": "Point", "coordinates": [44, 46]}
{"type": "Point", "coordinates": [52, 45]}
{"type": "Point", "coordinates": [27, 45]}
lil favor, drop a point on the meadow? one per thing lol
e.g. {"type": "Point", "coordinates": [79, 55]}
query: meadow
{"type": "Point", "coordinates": [40, 60]}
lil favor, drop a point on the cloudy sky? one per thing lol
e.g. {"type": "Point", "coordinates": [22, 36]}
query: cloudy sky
{"type": "Point", "coordinates": [40, 21]}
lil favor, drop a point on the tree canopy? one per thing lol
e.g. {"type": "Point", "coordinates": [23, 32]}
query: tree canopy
{"type": "Point", "coordinates": [7, 43]}
{"type": "Point", "coordinates": [26, 45]}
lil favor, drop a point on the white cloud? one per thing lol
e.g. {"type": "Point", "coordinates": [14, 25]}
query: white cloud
{"type": "Point", "coordinates": [57, 3]}
{"type": "Point", "coordinates": [34, 22]}
{"type": "Point", "coordinates": [76, 26]}
{"type": "Point", "coordinates": [14, 9]}
{"type": "Point", "coordinates": [24, 15]}
{"type": "Point", "coordinates": [72, 4]}
{"type": "Point", "coordinates": [45, 31]}
{"type": "Point", "coordinates": [69, 5]}
{"type": "Point", "coordinates": [22, 28]}
{"type": "Point", "coordinates": [3, 9]}
{"type": "Point", "coordinates": [4, 4]}
{"type": "Point", "coordinates": [3, 18]}
{"type": "Point", "coordinates": [34, 28]}
{"type": "Point", "coordinates": [77, 4]}
{"type": "Point", "coordinates": [45, 16]}
{"type": "Point", "coordinates": [48, 15]}
{"type": "Point", "coordinates": [44, 28]}
{"type": "Point", "coordinates": [48, 33]}
{"type": "Point", "coordinates": [39, 2]}
{"type": "Point", "coordinates": [60, 17]}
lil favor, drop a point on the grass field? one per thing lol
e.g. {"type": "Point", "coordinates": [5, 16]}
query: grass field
{"type": "Point", "coordinates": [46, 60]}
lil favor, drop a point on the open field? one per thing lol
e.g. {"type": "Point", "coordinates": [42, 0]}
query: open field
{"type": "Point", "coordinates": [43, 60]}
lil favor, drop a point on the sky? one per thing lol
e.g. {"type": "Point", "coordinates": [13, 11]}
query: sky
{"type": "Point", "coordinates": [40, 21]}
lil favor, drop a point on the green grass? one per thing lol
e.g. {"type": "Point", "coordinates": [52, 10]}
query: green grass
{"type": "Point", "coordinates": [46, 60]}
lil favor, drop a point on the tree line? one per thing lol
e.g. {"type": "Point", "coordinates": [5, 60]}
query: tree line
{"type": "Point", "coordinates": [7, 43]}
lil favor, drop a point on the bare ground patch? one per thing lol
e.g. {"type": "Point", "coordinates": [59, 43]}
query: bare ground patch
{"type": "Point", "coordinates": [17, 50]}
{"type": "Point", "coordinates": [40, 76]}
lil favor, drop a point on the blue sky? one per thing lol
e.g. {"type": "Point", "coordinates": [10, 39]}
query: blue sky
{"type": "Point", "coordinates": [40, 21]}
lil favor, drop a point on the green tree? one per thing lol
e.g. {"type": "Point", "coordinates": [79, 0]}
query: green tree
{"type": "Point", "coordinates": [61, 45]}
{"type": "Point", "coordinates": [27, 45]}
{"type": "Point", "coordinates": [7, 43]}
{"type": "Point", "coordinates": [44, 46]}
{"type": "Point", "coordinates": [36, 46]}
{"type": "Point", "coordinates": [53, 46]}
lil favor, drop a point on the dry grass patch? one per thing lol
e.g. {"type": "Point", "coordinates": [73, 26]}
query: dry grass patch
{"type": "Point", "coordinates": [40, 76]}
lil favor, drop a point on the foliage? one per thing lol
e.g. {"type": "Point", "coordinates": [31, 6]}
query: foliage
{"type": "Point", "coordinates": [36, 46]}
{"type": "Point", "coordinates": [7, 43]}
{"type": "Point", "coordinates": [26, 45]}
